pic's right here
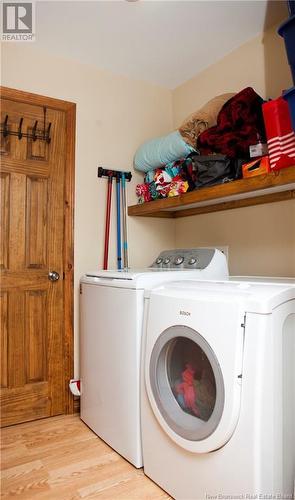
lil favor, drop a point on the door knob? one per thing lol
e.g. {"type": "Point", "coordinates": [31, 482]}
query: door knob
{"type": "Point", "coordinates": [53, 276]}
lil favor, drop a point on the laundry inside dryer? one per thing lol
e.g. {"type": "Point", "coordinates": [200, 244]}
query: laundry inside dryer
{"type": "Point", "coordinates": [186, 382]}
{"type": "Point", "coordinates": [191, 378]}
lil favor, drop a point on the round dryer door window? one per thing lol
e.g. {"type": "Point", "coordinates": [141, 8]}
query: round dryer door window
{"type": "Point", "coordinates": [187, 383]}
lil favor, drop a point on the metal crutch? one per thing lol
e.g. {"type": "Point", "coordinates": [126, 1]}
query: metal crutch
{"type": "Point", "coordinates": [108, 219]}
{"type": "Point", "coordinates": [119, 253]}
{"type": "Point", "coordinates": [124, 207]}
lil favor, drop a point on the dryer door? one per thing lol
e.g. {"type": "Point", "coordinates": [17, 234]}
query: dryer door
{"type": "Point", "coordinates": [194, 390]}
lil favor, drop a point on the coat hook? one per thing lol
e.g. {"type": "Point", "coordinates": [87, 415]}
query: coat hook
{"type": "Point", "coordinates": [44, 122]}
{"type": "Point", "coordinates": [34, 136]}
{"type": "Point", "coordinates": [48, 139]}
{"type": "Point", "coordinates": [5, 127]}
{"type": "Point", "coordinates": [19, 132]}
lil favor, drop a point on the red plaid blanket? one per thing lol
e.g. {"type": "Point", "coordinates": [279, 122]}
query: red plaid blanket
{"type": "Point", "coordinates": [239, 124]}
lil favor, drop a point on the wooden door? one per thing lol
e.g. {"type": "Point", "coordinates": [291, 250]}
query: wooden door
{"type": "Point", "coordinates": [34, 365]}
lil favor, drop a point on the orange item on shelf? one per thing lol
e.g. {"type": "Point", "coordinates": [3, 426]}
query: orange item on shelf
{"type": "Point", "coordinates": [258, 166]}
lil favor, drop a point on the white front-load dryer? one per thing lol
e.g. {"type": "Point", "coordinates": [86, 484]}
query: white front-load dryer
{"type": "Point", "coordinates": [112, 304]}
{"type": "Point", "coordinates": [218, 390]}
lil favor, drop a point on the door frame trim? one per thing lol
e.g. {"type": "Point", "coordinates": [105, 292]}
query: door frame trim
{"type": "Point", "coordinates": [69, 108]}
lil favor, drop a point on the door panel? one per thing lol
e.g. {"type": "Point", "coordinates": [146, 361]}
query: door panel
{"type": "Point", "coordinates": [4, 219]}
{"type": "Point", "coordinates": [35, 348]}
{"type": "Point", "coordinates": [36, 227]}
{"type": "Point", "coordinates": [32, 217]}
{"type": "Point", "coordinates": [4, 340]}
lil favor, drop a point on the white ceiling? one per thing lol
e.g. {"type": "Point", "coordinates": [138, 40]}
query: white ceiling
{"type": "Point", "coordinates": [163, 42]}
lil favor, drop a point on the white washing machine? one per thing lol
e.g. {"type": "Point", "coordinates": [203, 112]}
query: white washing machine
{"type": "Point", "coordinates": [112, 304]}
{"type": "Point", "coordinates": [218, 390]}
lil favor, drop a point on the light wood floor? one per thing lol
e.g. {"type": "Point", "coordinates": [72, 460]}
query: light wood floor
{"type": "Point", "coordinates": [60, 458]}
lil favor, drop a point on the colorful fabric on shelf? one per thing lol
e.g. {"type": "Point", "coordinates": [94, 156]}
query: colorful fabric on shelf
{"type": "Point", "coordinates": [153, 191]}
{"type": "Point", "coordinates": [177, 186]}
{"type": "Point", "coordinates": [176, 178]}
{"type": "Point", "coordinates": [174, 168]}
{"type": "Point", "coordinates": [171, 170]}
{"type": "Point", "coordinates": [162, 181]}
{"type": "Point", "coordinates": [143, 193]}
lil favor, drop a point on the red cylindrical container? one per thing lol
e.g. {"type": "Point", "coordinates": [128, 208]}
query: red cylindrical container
{"type": "Point", "coordinates": [280, 134]}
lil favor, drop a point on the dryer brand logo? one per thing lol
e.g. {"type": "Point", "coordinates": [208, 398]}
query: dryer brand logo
{"type": "Point", "coordinates": [18, 21]}
{"type": "Point", "coordinates": [184, 313]}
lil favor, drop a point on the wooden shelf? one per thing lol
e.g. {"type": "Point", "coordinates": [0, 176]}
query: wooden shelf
{"type": "Point", "coordinates": [268, 188]}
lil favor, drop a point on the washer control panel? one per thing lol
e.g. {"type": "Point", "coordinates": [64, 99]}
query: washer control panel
{"type": "Point", "coordinates": [187, 258]}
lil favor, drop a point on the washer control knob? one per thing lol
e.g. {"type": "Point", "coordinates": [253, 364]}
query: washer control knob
{"type": "Point", "coordinates": [178, 261]}
{"type": "Point", "coordinates": [166, 260]}
{"type": "Point", "coordinates": [159, 260]}
{"type": "Point", "coordinates": [192, 261]}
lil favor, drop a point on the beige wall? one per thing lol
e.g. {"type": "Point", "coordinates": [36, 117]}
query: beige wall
{"type": "Point", "coordinates": [260, 63]}
{"type": "Point", "coordinates": [114, 116]}
{"type": "Point", "coordinates": [261, 239]}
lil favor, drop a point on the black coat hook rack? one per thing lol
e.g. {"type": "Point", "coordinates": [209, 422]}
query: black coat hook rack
{"type": "Point", "coordinates": [116, 174]}
{"type": "Point", "coordinates": [35, 135]}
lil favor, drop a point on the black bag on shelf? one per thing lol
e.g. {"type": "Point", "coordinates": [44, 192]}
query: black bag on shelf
{"type": "Point", "coordinates": [215, 169]}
